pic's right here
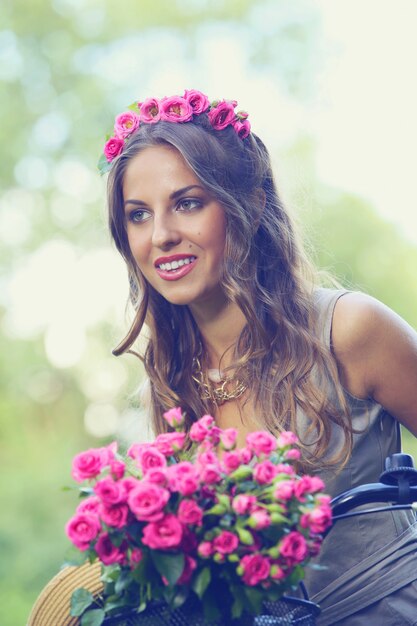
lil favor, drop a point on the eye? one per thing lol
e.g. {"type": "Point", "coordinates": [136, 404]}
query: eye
{"type": "Point", "coordinates": [189, 204]}
{"type": "Point", "coordinates": [138, 215]}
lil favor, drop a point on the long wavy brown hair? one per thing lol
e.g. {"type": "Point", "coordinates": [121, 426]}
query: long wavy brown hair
{"type": "Point", "coordinates": [265, 272]}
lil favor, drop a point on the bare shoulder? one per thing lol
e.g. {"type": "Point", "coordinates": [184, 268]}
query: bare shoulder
{"type": "Point", "coordinates": [376, 352]}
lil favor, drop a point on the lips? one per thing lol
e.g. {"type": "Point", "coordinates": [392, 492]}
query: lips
{"type": "Point", "coordinates": [174, 267]}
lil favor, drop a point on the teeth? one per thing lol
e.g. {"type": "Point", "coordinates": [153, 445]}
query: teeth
{"type": "Point", "coordinates": [174, 265]}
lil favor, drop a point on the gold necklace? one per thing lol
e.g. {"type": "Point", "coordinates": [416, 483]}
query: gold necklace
{"type": "Point", "coordinates": [227, 388]}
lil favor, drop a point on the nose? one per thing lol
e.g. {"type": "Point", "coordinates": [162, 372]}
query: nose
{"type": "Point", "coordinates": [165, 233]}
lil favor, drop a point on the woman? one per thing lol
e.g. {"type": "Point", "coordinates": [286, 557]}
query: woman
{"type": "Point", "coordinates": [237, 327]}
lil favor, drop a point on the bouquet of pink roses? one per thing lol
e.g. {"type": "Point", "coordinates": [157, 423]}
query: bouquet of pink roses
{"type": "Point", "coordinates": [194, 517]}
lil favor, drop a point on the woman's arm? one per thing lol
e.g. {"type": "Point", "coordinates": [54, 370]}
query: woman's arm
{"type": "Point", "coordinates": [376, 352]}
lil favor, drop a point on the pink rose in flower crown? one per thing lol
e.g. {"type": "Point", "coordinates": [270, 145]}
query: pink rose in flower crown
{"type": "Point", "coordinates": [89, 464]}
{"type": "Point", "coordinates": [163, 534]}
{"type": "Point", "coordinates": [175, 109]}
{"type": "Point", "coordinates": [264, 472]}
{"type": "Point", "coordinates": [174, 417]}
{"type": "Point", "coordinates": [113, 147]}
{"type": "Point", "coordinates": [125, 124]}
{"type": "Point", "coordinates": [198, 101]}
{"type": "Point", "coordinates": [190, 513]}
{"type": "Point", "coordinates": [82, 529]}
{"type": "Point", "coordinates": [107, 552]}
{"type": "Point", "coordinates": [244, 504]}
{"type": "Point", "coordinates": [226, 542]}
{"type": "Point", "coordinates": [222, 115]}
{"type": "Point", "coordinates": [149, 111]}
{"type": "Point", "coordinates": [170, 443]}
{"type": "Point", "coordinates": [255, 568]}
{"type": "Point", "coordinates": [115, 516]}
{"type": "Point", "coordinates": [110, 491]}
{"type": "Point", "coordinates": [293, 548]}
{"type": "Point", "coordinates": [242, 128]}
{"type": "Point", "coordinates": [261, 442]}
{"type": "Point", "coordinates": [147, 501]}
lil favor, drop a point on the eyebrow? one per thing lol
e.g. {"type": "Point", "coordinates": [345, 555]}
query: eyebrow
{"type": "Point", "coordinates": [174, 195]}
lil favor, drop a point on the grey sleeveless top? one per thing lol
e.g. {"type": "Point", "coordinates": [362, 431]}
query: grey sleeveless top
{"type": "Point", "coordinates": [368, 557]}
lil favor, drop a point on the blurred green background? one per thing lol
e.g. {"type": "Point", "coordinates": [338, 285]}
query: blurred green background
{"type": "Point", "coordinates": [66, 68]}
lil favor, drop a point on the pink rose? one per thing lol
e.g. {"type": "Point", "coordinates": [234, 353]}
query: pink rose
{"type": "Point", "coordinates": [89, 505]}
{"type": "Point", "coordinates": [205, 549]}
{"type": "Point", "coordinates": [149, 111]}
{"type": "Point", "coordinates": [110, 491]}
{"type": "Point", "coordinates": [286, 438]}
{"type": "Point", "coordinates": [255, 569]}
{"type": "Point", "coordinates": [178, 472]}
{"type": "Point", "coordinates": [242, 128]}
{"type": "Point", "coordinates": [136, 450]}
{"type": "Point", "coordinates": [228, 438]}
{"type": "Point", "coordinates": [261, 442]}
{"type": "Point", "coordinates": [117, 469]}
{"type": "Point", "coordinates": [231, 461]}
{"type": "Point", "coordinates": [113, 147]}
{"type": "Point", "coordinates": [89, 464]}
{"type": "Point", "coordinates": [284, 468]}
{"type": "Point", "coordinates": [163, 534]}
{"type": "Point", "coordinates": [292, 454]}
{"type": "Point", "coordinates": [115, 516]}
{"type": "Point", "coordinates": [190, 513]}
{"type": "Point", "coordinates": [243, 504]}
{"type": "Point", "coordinates": [82, 529]}
{"type": "Point", "coordinates": [246, 455]}
{"type": "Point", "coordinates": [318, 519]}
{"type": "Point", "coordinates": [200, 429]}
{"type": "Point", "coordinates": [264, 472]}
{"type": "Point", "coordinates": [260, 519]}
{"type": "Point", "coordinates": [135, 557]}
{"type": "Point", "coordinates": [226, 542]}
{"type": "Point", "coordinates": [198, 101]}
{"type": "Point", "coordinates": [128, 484]}
{"type": "Point", "coordinates": [307, 484]}
{"type": "Point", "coordinates": [146, 501]}
{"type": "Point", "coordinates": [222, 115]}
{"type": "Point", "coordinates": [157, 475]}
{"type": "Point", "coordinates": [125, 124]}
{"type": "Point", "coordinates": [175, 109]}
{"type": "Point", "coordinates": [174, 417]}
{"type": "Point", "coordinates": [293, 548]}
{"type": "Point", "coordinates": [170, 443]}
{"type": "Point", "coordinates": [284, 490]}
{"type": "Point", "coordinates": [210, 474]}
{"type": "Point", "coordinates": [107, 552]}
{"type": "Point", "coordinates": [150, 458]}
{"type": "Point", "coordinates": [190, 565]}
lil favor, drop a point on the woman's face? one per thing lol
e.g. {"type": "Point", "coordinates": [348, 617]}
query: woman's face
{"type": "Point", "coordinates": [175, 228]}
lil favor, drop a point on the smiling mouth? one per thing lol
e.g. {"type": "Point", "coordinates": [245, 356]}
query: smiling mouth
{"type": "Point", "coordinates": [176, 265]}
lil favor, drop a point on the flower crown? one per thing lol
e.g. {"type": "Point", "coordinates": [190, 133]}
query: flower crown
{"type": "Point", "coordinates": [176, 109]}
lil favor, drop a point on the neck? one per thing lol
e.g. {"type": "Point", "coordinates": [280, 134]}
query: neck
{"type": "Point", "coordinates": [220, 327]}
